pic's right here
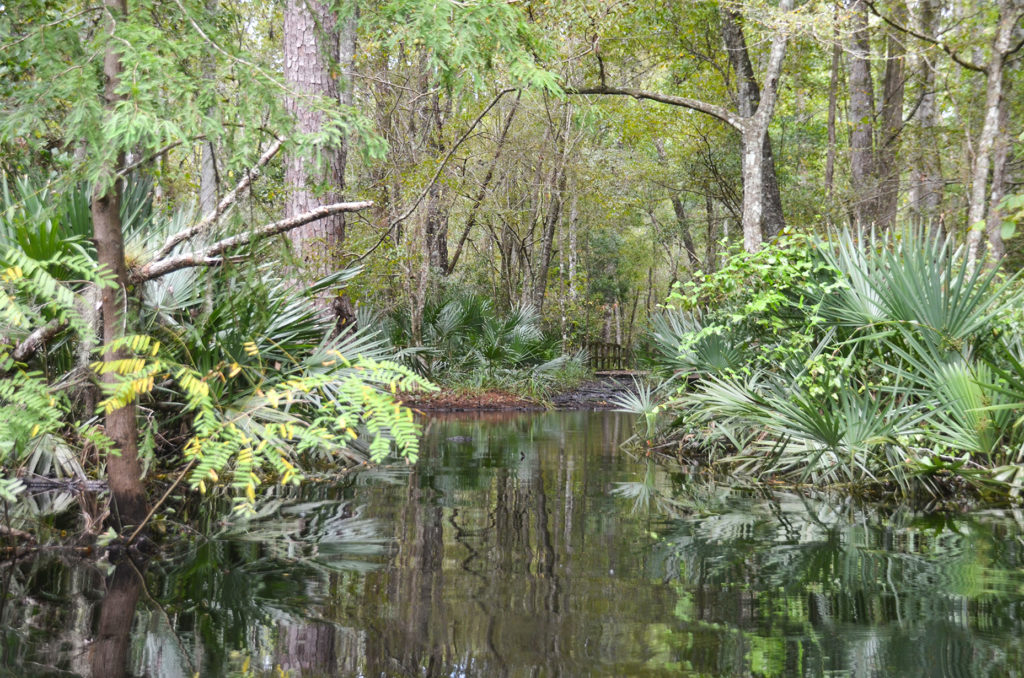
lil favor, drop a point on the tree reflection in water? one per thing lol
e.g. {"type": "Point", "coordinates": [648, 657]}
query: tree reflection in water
{"type": "Point", "coordinates": [114, 628]}
{"type": "Point", "coordinates": [528, 545]}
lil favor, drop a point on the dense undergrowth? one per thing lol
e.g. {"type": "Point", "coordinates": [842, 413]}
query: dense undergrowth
{"type": "Point", "coordinates": [877, 363]}
{"type": "Point", "coordinates": [466, 345]}
{"type": "Point", "coordinates": [239, 378]}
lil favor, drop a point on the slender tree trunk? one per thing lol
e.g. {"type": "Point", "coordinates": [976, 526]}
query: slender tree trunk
{"type": "Point", "coordinates": [573, 250]}
{"type": "Point", "coordinates": [1000, 153]}
{"type": "Point", "coordinates": [989, 130]}
{"type": "Point", "coordinates": [123, 469]}
{"type": "Point", "coordinates": [208, 189]}
{"type": "Point", "coordinates": [886, 160]}
{"type": "Point", "coordinates": [833, 91]}
{"type": "Point", "coordinates": [554, 213]}
{"type": "Point", "coordinates": [310, 45]}
{"type": "Point", "coordinates": [680, 212]}
{"type": "Point", "coordinates": [711, 240]}
{"type": "Point", "coordinates": [481, 194]}
{"type": "Point", "coordinates": [684, 230]}
{"type": "Point", "coordinates": [927, 186]}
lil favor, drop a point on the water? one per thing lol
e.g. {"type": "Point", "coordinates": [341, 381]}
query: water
{"type": "Point", "coordinates": [528, 545]}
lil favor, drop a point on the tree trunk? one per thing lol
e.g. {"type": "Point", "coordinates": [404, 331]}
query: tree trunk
{"type": "Point", "coordinates": [926, 187]}
{"type": "Point", "coordinates": [886, 161]}
{"type": "Point", "coordinates": [208, 164]}
{"type": "Point", "coordinates": [711, 239]}
{"type": "Point", "coordinates": [989, 130]}
{"type": "Point", "coordinates": [680, 212]}
{"type": "Point", "coordinates": [862, 112]}
{"type": "Point", "coordinates": [481, 194]}
{"type": "Point", "coordinates": [114, 627]}
{"type": "Point", "coordinates": [833, 91]}
{"type": "Point", "coordinates": [772, 220]}
{"type": "Point", "coordinates": [753, 170]}
{"type": "Point", "coordinates": [437, 230]}
{"type": "Point", "coordinates": [1000, 153]}
{"type": "Point", "coordinates": [573, 253]}
{"type": "Point", "coordinates": [123, 469]}
{"type": "Point", "coordinates": [684, 230]}
{"type": "Point", "coordinates": [310, 44]}
{"type": "Point", "coordinates": [554, 213]}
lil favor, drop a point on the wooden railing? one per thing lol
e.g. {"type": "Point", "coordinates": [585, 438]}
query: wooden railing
{"type": "Point", "coordinates": [605, 356]}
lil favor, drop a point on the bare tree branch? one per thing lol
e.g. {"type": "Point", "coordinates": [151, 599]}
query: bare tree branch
{"type": "Point", "coordinates": [725, 115]}
{"type": "Point", "coordinates": [433, 179]}
{"type": "Point", "coordinates": [970, 65]}
{"type": "Point", "coordinates": [224, 205]}
{"type": "Point", "coordinates": [210, 255]}
{"type": "Point", "coordinates": [34, 341]}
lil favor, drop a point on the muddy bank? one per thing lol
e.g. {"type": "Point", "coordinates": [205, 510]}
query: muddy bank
{"type": "Point", "coordinates": [599, 393]}
{"type": "Point", "coordinates": [454, 401]}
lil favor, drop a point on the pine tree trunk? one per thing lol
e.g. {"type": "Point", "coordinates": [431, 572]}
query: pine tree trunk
{"type": "Point", "coordinates": [310, 45]}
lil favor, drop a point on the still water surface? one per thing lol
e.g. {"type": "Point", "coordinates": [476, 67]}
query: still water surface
{"type": "Point", "coordinates": [529, 545]}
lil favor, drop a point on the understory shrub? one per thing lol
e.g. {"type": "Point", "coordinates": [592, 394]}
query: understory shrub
{"type": "Point", "coordinates": [466, 343]}
{"type": "Point", "coordinates": [238, 375]}
{"type": "Point", "coordinates": [872, 361]}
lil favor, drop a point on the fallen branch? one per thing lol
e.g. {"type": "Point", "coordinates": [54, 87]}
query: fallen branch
{"type": "Point", "coordinates": [34, 341]}
{"type": "Point", "coordinates": [223, 206]}
{"type": "Point", "coordinates": [210, 255]}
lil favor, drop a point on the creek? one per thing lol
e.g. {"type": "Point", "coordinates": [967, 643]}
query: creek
{"type": "Point", "coordinates": [531, 545]}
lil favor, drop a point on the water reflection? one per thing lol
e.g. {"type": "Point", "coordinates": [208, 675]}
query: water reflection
{"type": "Point", "coordinates": [114, 628]}
{"type": "Point", "coordinates": [528, 545]}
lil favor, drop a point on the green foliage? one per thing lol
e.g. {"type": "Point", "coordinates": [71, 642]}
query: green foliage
{"type": "Point", "coordinates": [466, 343]}
{"type": "Point", "coordinates": [262, 391]}
{"type": "Point", "coordinates": [879, 361]}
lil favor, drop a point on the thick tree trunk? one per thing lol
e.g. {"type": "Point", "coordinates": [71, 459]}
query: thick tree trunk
{"type": "Point", "coordinates": [754, 133]}
{"type": "Point", "coordinates": [310, 44]}
{"type": "Point", "coordinates": [437, 230]}
{"type": "Point", "coordinates": [123, 469]}
{"type": "Point", "coordinates": [772, 220]}
{"type": "Point", "coordinates": [114, 627]}
{"type": "Point", "coordinates": [989, 130]}
{"type": "Point", "coordinates": [862, 113]}
{"type": "Point", "coordinates": [753, 171]}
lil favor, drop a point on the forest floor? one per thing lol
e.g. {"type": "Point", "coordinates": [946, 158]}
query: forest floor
{"type": "Point", "coordinates": [595, 394]}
